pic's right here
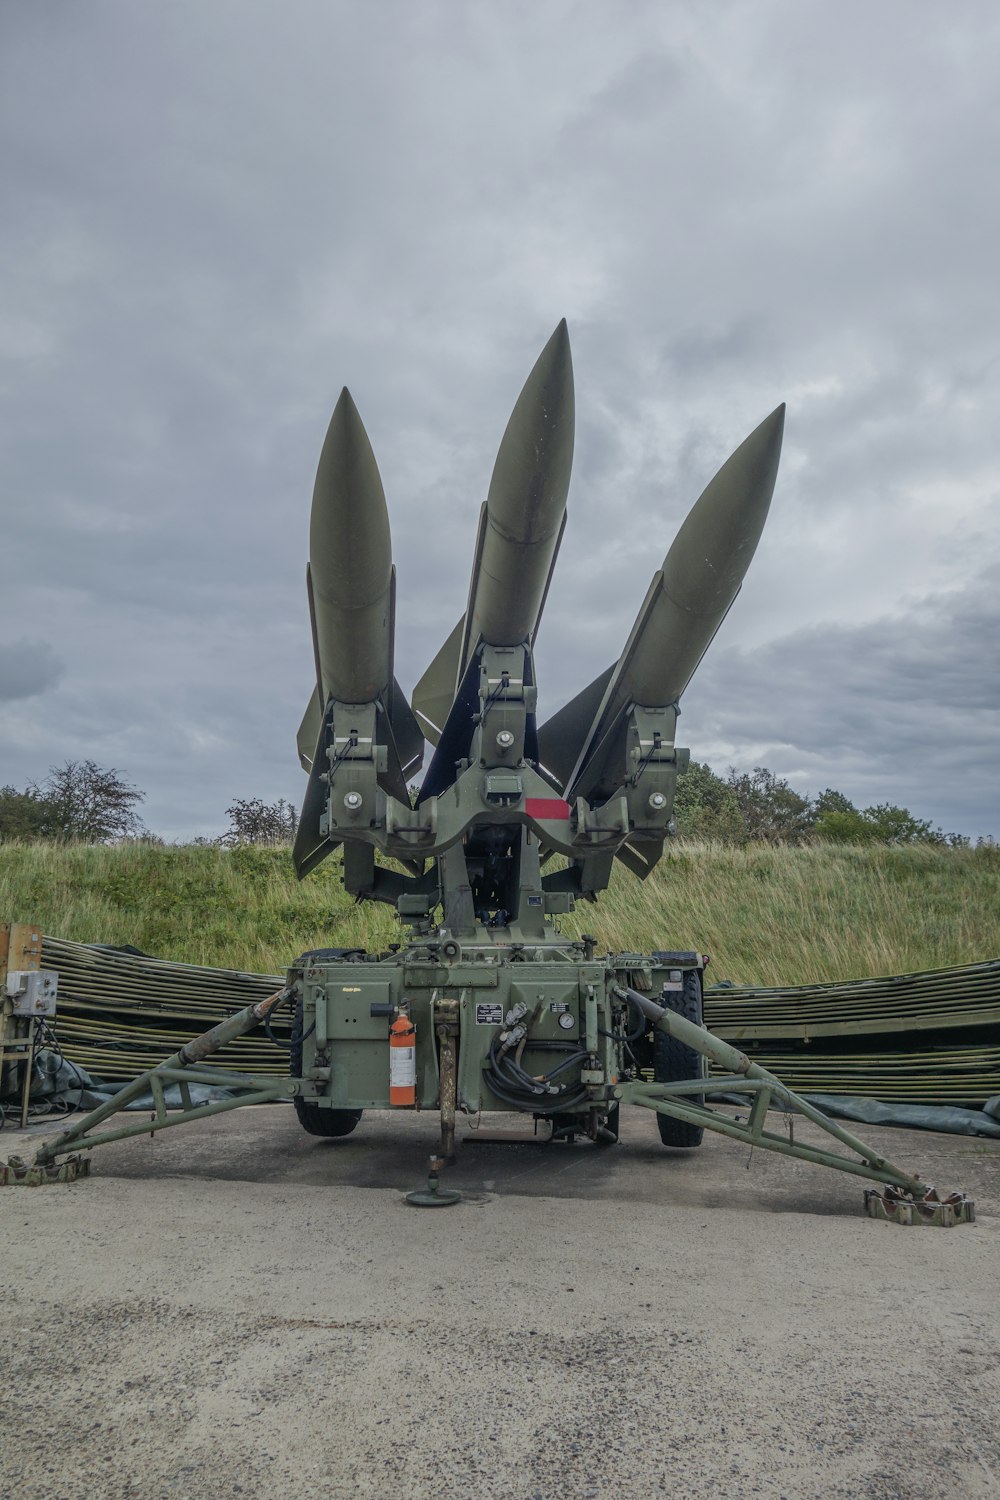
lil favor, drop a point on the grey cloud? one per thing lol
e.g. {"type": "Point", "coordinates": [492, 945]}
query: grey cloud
{"type": "Point", "coordinates": [219, 214]}
{"type": "Point", "coordinates": [905, 709]}
{"type": "Point", "coordinates": [27, 669]}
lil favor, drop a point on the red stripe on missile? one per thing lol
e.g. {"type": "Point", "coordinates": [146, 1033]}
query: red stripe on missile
{"type": "Point", "coordinates": [547, 807]}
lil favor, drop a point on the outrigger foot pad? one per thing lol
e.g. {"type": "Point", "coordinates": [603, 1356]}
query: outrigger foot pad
{"type": "Point", "coordinates": [433, 1195]}
{"type": "Point", "coordinates": [897, 1207]}
{"type": "Point", "coordinates": [16, 1172]}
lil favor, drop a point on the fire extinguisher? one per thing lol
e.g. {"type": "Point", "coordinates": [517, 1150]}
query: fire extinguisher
{"type": "Point", "coordinates": [402, 1060]}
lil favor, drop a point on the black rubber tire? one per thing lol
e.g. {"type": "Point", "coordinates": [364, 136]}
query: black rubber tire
{"type": "Point", "coordinates": [314, 1119]}
{"type": "Point", "coordinates": [673, 1062]}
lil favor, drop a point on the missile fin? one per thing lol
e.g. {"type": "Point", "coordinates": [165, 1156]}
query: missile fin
{"type": "Point", "coordinates": [310, 846]}
{"type": "Point", "coordinates": [406, 732]}
{"type": "Point", "coordinates": [548, 581]}
{"type": "Point", "coordinates": [393, 779]}
{"type": "Point", "coordinates": [468, 646]}
{"type": "Point", "coordinates": [560, 738]}
{"type": "Point", "coordinates": [308, 734]}
{"type": "Point", "coordinates": [636, 859]}
{"type": "Point", "coordinates": [616, 695]}
{"type": "Point", "coordinates": [315, 640]}
{"type": "Point", "coordinates": [434, 694]}
{"type": "Point", "coordinates": [455, 734]}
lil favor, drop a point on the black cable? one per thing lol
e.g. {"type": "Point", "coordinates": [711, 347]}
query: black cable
{"type": "Point", "coordinates": [351, 744]}
{"type": "Point", "coordinates": [567, 1062]}
{"type": "Point", "coordinates": [624, 1039]}
{"type": "Point", "coordinates": [641, 1028]}
{"type": "Point", "coordinates": [500, 689]}
{"type": "Point", "coordinates": [577, 1054]}
{"type": "Point", "coordinates": [552, 1106]}
{"type": "Point", "coordinates": [502, 1064]}
{"type": "Point", "coordinates": [509, 1081]}
{"type": "Point", "coordinates": [277, 1040]}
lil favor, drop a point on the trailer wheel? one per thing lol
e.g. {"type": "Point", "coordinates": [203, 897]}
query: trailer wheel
{"type": "Point", "coordinates": [673, 1062]}
{"type": "Point", "coordinates": [312, 1117]}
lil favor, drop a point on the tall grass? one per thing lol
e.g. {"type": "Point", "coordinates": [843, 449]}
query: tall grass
{"type": "Point", "coordinates": [775, 916]}
{"type": "Point", "coordinates": [766, 915]}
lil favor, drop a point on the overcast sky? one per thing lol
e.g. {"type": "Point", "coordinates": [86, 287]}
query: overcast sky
{"type": "Point", "coordinates": [215, 213]}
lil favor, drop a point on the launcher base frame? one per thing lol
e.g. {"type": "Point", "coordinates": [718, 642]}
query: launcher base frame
{"type": "Point", "coordinates": [907, 1199]}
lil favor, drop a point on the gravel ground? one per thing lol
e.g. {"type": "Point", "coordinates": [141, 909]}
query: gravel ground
{"type": "Point", "coordinates": [236, 1309]}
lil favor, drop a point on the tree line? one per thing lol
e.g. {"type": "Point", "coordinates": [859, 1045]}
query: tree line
{"type": "Point", "coordinates": [757, 806]}
{"type": "Point", "coordinates": [82, 802]}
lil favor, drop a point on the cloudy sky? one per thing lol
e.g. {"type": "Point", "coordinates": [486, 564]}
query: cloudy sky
{"type": "Point", "coordinates": [218, 212]}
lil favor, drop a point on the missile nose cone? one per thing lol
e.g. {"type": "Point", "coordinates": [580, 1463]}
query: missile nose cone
{"type": "Point", "coordinates": [350, 557]}
{"type": "Point", "coordinates": [713, 549]}
{"type": "Point", "coordinates": [347, 482]}
{"type": "Point", "coordinates": [530, 482]}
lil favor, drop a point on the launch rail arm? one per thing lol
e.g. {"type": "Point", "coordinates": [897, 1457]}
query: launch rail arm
{"type": "Point", "coordinates": [761, 1087]}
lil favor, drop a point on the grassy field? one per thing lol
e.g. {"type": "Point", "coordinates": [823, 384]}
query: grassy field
{"type": "Point", "coordinates": [766, 915]}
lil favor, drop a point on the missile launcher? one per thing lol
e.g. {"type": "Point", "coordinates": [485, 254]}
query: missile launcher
{"type": "Point", "coordinates": [512, 825]}
{"type": "Point", "coordinates": [483, 1006]}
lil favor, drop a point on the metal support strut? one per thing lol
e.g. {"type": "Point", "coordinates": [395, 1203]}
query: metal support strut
{"type": "Point", "coordinates": [742, 1076]}
{"type": "Point", "coordinates": [182, 1069]}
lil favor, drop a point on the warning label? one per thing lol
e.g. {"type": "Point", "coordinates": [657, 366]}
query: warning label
{"type": "Point", "coordinates": [489, 1014]}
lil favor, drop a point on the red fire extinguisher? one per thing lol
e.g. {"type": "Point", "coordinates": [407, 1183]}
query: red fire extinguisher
{"type": "Point", "coordinates": [402, 1061]}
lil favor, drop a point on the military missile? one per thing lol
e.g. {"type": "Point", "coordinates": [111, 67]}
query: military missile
{"type": "Point", "coordinates": [525, 511]}
{"type": "Point", "coordinates": [704, 570]}
{"type": "Point", "coordinates": [350, 565]}
{"type": "Point", "coordinates": [686, 603]}
{"type": "Point", "coordinates": [520, 527]}
{"type": "Point", "coordinates": [351, 590]}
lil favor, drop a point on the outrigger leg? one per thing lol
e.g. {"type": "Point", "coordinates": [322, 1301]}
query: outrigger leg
{"type": "Point", "coordinates": [182, 1068]}
{"type": "Point", "coordinates": [907, 1200]}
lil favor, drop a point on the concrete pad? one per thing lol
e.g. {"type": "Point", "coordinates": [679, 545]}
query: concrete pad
{"type": "Point", "coordinates": [236, 1308]}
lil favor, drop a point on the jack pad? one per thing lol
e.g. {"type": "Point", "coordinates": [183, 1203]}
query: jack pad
{"type": "Point", "coordinates": [896, 1207]}
{"type": "Point", "coordinates": [433, 1195]}
{"type": "Point", "coordinates": [16, 1172]}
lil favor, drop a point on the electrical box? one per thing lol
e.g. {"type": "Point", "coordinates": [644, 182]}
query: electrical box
{"type": "Point", "coordinates": [33, 991]}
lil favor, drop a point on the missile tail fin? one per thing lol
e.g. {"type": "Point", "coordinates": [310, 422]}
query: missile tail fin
{"type": "Point", "coordinates": [561, 738]}
{"type": "Point", "coordinates": [315, 639]}
{"type": "Point", "coordinates": [548, 581]}
{"type": "Point", "coordinates": [310, 846]}
{"type": "Point", "coordinates": [592, 742]}
{"type": "Point", "coordinates": [406, 732]}
{"type": "Point", "coordinates": [435, 692]}
{"type": "Point", "coordinates": [467, 644]}
{"type": "Point", "coordinates": [308, 733]}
